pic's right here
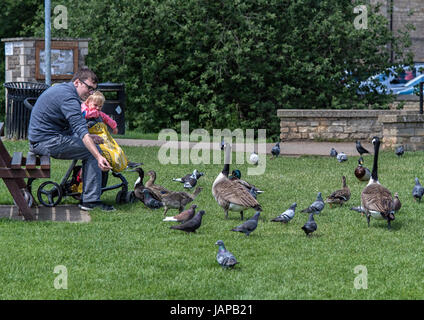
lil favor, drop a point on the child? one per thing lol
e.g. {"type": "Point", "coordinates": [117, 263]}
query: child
{"type": "Point", "coordinates": [92, 108]}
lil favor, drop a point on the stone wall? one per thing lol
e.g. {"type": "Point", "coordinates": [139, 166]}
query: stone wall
{"type": "Point", "coordinates": [332, 125]}
{"type": "Point", "coordinates": [20, 57]}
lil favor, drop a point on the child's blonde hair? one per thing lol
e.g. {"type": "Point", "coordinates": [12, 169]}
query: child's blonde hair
{"type": "Point", "coordinates": [96, 97]}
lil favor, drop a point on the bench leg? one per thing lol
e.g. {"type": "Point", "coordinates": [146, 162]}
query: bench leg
{"type": "Point", "coordinates": [17, 195]}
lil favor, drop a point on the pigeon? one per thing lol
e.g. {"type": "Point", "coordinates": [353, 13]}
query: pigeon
{"type": "Point", "coordinates": [287, 215]}
{"type": "Point", "coordinates": [310, 225]}
{"type": "Point", "coordinates": [224, 257]}
{"type": "Point", "coordinates": [191, 225]}
{"type": "Point", "coordinates": [275, 151]}
{"type": "Point", "coordinates": [316, 206]}
{"type": "Point", "coordinates": [333, 152]}
{"type": "Point", "coordinates": [399, 151]}
{"type": "Point", "coordinates": [341, 157]}
{"type": "Point", "coordinates": [222, 143]}
{"type": "Point", "coordinates": [248, 226]}
{"type": "Point", "coordinates": [254, 192]}
{"type": "Point", "coordinates": [183, 216]}
{"type": "Point", "coordinates": [358, 209]}
{"type": "Point", "coordinates": [396, 202]}
{"type": "Point", "coordinates": [190, 180]}
{"type": "Point", "coordinates": [360, 148]}
{"type": "Point", "coordinates": [418, 190]}
{"type": "Point", "coordinates": [149, 201]}
{"type": "Point", "coordinates": [254, 158]}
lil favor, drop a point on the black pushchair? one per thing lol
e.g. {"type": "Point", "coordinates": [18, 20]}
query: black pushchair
{"type": "Point", "coordinates": [50, 193]}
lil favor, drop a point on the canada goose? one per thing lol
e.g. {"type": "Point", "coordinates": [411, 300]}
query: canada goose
{"type": "Point", "coordinates": [361, 172]}
{"type": "Point", "coordinates": [139, 190]}
{"type": "Point", "coordinates": [376, 200]}
{"type": "Point", "coordinates": [339, 196]}
{"type": "Point", "coordinates": [157, 189]}
{"type": "Point", "coordinates": [229, 194]}
{"type": "Point", "coordinates": [179, 199]}
{"type": "Point", "coordinates": [236, 176]}
{"type": "Point", "coordinates": [360, 148]}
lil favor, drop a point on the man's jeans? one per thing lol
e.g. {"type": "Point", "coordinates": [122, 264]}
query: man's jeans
{"type": "Point", "coordinates": [70, 148]}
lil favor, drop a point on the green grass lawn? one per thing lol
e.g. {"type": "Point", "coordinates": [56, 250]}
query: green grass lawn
{"type": "Point", "coordinates": [131, 254]}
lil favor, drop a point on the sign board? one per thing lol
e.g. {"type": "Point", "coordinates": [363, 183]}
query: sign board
{"type": "Point", "coordinates": [63, 58]}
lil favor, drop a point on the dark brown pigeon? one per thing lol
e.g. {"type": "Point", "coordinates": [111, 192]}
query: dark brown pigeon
{"type": "Point", "coordinates": [183, 216]}
{"type": "Point", "coordinates": [191, 225]}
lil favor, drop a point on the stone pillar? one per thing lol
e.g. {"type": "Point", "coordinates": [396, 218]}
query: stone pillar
{"type": "Point", "coordinates": [20, 55]}
{"type": "Point", "coordinates": [406, 130]}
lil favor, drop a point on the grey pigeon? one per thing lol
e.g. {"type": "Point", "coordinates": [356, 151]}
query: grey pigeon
{"type": "Point", "coordinates": [183, 216]}
{"type": "Point", "coordinates": [191, 225]}
{"type": "Point", "coordinates": [341, 157]}
{"type": "Point", "coordinates": [316, 206]}
{"type": "Point", "coordinates": [275, 151]}
{"type": "Point", "coordinates": [399, 151]}
{"type": "Point", "coordinates": [249, 226]}
{"type": "Point", "coordinates": [310, 225]}
{"type": "Point", "coordinates": [418, 190]}
{"type": "Point", "coordinates": [360, 148]}
{"type": "Point", "coordinates": [151, 202]}
{"type": "Point", "coordinates": [287, 215]}
{"type": "Point", "coordinates": [190, 180]}
{"type": "Point", "coordinates": [333, 152]}
{"type": "Point", "coordinates": [358, 209]}
{"type": "Point", "coordinates": [254, 192]}
{"type": "Point", "coordinates": [224, 257]}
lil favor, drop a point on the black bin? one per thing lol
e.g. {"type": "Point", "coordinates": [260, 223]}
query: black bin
{"type": "Point", "coordinates": [114, 105]}
{"type": "Point", "coordinates": [17, 115]}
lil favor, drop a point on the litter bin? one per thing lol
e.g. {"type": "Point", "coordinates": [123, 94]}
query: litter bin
{"type": "Point", "coordinates": [17, 115]}
{"type": "Point", "coordinates": [114, 105]}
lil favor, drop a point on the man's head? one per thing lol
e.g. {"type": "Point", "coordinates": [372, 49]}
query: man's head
{"type": "Point", "coordinates": [85, 81]}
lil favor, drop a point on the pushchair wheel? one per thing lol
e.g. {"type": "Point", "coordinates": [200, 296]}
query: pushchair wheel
{"type": "Point", "coordinates": [125, 197]}
{"type": "Point", "coordinates": [49, 193]}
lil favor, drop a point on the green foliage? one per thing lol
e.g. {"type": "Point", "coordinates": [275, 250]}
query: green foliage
{"type": "Point", "coordinates": [15, 17]}
{"type": "Point", "coordinates": [232, 64]}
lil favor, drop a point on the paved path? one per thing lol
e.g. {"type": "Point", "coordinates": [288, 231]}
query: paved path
{"type": "Point", "coordinates": [295, 148]}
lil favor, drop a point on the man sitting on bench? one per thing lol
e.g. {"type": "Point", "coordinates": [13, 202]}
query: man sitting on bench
{"type": "Point", "coordinates": [57, 128]}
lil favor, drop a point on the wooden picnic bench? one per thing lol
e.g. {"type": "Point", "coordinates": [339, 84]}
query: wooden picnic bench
{"type": "Point", "coordinates": [14, 169]}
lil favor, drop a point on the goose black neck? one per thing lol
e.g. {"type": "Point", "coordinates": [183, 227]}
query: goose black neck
{"type": "Point", "coordinates": [374, 173]}
{"type": "Point", "coordinates": [226, 169]}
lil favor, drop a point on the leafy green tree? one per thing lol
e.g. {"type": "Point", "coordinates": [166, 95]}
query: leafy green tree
{"type": "Point", "coordinates": [15, 17]}
{"type": "Point", "coordinates": [232, 64]}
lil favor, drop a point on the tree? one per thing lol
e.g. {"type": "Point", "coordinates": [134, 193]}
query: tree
{"type": "Point", "coordinates": [232, 64]}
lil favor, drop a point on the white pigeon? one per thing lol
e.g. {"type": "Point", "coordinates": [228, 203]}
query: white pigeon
{"type": "Point", "coordinates": [341, 157]}
{"type": "Point", "coordinates": [254, 158]}
{"type": "Point", "coordinates": [287, 215]}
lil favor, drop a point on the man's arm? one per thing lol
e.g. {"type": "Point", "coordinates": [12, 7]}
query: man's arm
{"type": "Point", "coordinates": [91, 146]}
